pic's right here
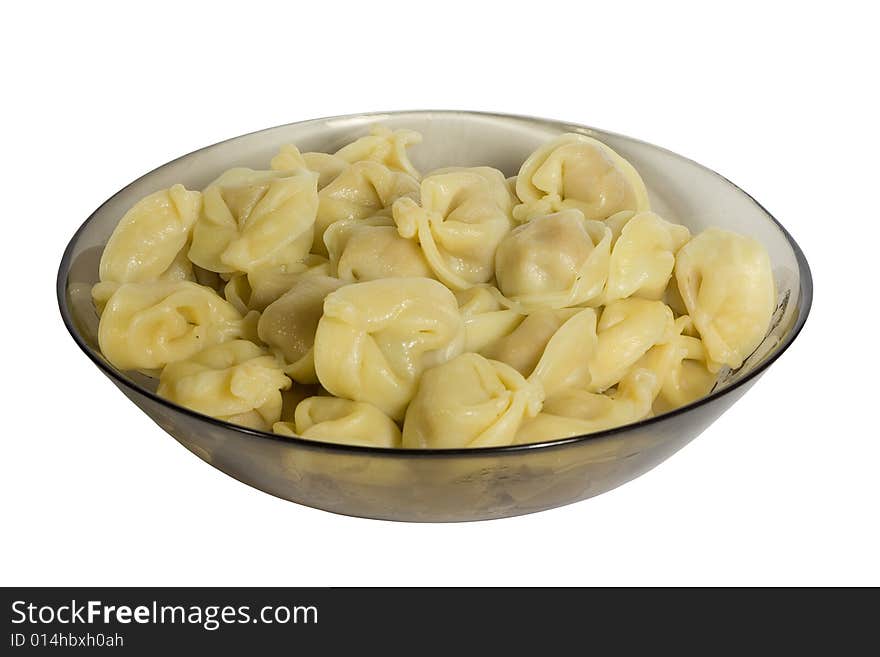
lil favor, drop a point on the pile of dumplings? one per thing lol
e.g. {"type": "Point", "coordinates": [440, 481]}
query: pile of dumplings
{"type": "Point", "coordinates": [346, 298]}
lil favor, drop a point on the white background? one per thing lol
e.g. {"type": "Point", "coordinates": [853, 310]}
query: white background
{"type": "Point", "coordinates": [783, 489]}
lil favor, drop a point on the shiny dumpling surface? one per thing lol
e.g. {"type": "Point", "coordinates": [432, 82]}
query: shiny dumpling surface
{"type": "Point", "coordinates": [149, 325]}
{"type": "Point", "coordinates": [687, 377]}
{"type": "Point", "coordinates": [470, 401]}
{"type": "Point", "coordinates": [334, 420]}
{"type": "Point", "coordinates": [385, 146]}
{"type": "Point", "coordinates": [464, 309]}
{"type": "Point", "coordinates": [367, 249]}
{"type": "Point", "coordinates": [149, 238]}
{"type": "Point", "coordinates": [361, 190]}
{"type": "Point", "coordinates": [235, 381]}
{"type": "Point", "coordinates": [327, 166]}
{"type": "Point", "coordinates": [288, 325]}
{"type": "Point", "coordinates": [263, 286]}
{"type": "Point", "coordinates": [375, 339]}
{"type": "Point", "coordinates": [643, 257]}
{"type": "Point", "coordinates": [251, 219]}
{"type": "Point", "coordinates": [463, 215]}
{"type": "Point", "coordinates": [486, 318]}
{"type": "Point", "coordinates": [576, 171]}
{"type": "Point", "coordinates": [626, 330]}
{"type": "Point", "coordinates": [726, 283]}
{"type": "Point", "coordinates": [554, 261]}
{"type": "Point", "coordinates": [575, 411]}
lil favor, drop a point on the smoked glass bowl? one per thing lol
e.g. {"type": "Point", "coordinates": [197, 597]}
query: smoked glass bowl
{"type": "Point", "coordinates": [459, 484]}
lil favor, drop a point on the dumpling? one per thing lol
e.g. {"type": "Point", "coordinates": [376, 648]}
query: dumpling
{"type": "Point", "coordinates": [288, 325]}
{"type": "Point", "coordinates": [463, 215]}
{"type": "Point", "coordinates": [376, 338]}
{"type": "Point", "coordinates": [726, 283]}
{"type": "Point", "coordinates": [470, 401]}
{"type": "Point", "coordinates": [255, 291]}
{"type": "Point", "coordinates": [571, 409]}
{"type": "Point", "coordinates": [688, 377]}
{"type": "Point", "coordinates": [252, 219]}
{"type": "Point", "coordinates": [616, 222]}
{"type": "Point", "coordinates": [522, 347]}
{"type": "Point", "coordinates": [643, 256]}
{"type": "Point", "coordinates": [362, 190]}
{"type": "Point", "coordinates": [384, 146]}
{"type": "Point", "coordinates": [149, 238]}
{"type": "Point", "coordinates": [367, 249]}
{"type": "Point", "coordinates": [575, 411]}
{"type": "Point", "coordinates": [334, 420]}
{"type": "Point", "coordinates": [235, 381]}
{"type": "Point", "coordinates": [554, 261]}
{"type": "Point", "coordinates": [148, 325]}
{"type": "Point", "coordinates": [566, 356]}
{"type": "Point", "coordinates": [576, 171]}
{"type": "Point", "coordinates": [554, 347]}
{"type": "Point", "coordinates": [325, 165]}
{"type": "Point", "coordinates": [486, 319]}
{"type": "Point", "coordinates": [179, 270]}
{"type": "Point", "coordinates": [627, 329]}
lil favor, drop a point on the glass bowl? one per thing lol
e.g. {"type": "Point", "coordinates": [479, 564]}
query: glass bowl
{"type": "Point", "coordinates": [457, 484]}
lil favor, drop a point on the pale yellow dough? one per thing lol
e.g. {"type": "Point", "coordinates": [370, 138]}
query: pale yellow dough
{"type": "Point", "coordinates": [727, 286]}
{"type": "Point", "coordinates": [149, 325]}
{"type": "Point", "coordinates": [375, 339]}
{"type": "Point", "coordinates": [643, 256]}
{"type": "Point", "coordinates": [341, 297]}
{"type": "Point", "coordinates": [576, 171]}
{"type": "Point", "coordinates": [334, 420]}
{"type": "Point", "coordinates": [235, 381]}
{"type": "Point", "coordinates": [288, 325]}
{"type": "Point", "coordinates": [554, 261]}
{"type": "Point", "coordinates": [368, 249]}
{"type": "Point", "coordinates": [361, 190]}
{"type": "Point", "coordinates": [148, 239]}
{"type": "Point", "coordinates": [252, 219]}
{"type": "Point", "coordinates": [463, 215]}
{"type": "Point", "coordinates": [470, 402]}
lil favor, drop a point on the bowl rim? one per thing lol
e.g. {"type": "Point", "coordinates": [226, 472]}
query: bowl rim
{"type": "Point", "coordinates": [805, 300]}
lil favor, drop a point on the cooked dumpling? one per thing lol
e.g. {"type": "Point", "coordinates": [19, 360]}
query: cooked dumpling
{"type": "Point", "coordinates": [288, 325]}
{"type": "Point", "coordinates": [367, 249]}
{"type": "Point", "coordinates": [148, 325]}
{"type": "Point", "coordinates": [255, 291]}
{"type": "Point", "coordinates": [235, 381]}
{"type": "Point", "coordinates": [566, 358]}
{"type": "Point", "coordinates": [376, 338]}
{"type": "Point", "coordinates": [554, 261]}
{"type": "Point", "coordinates": [576, 171]}
{"type": "Point", "coordinates": [486, 319]}
{"type": "Point", "coordinates": [616, 222]}
{"type": "Point", "coordinates": [149, 238]}
{"type": "Point", "coordinates": [362, 190]}
{"type": "Point", "coordinates": [571, 409]}
{"type": "Point", "coordinates": [575, 412]}
{"type": "Point", "coordinates": [470, 402]}
{"type": "Point", "coordinates": [627, 329]}
{"type": "Point", "coordinates": [463, 214]}
{"type": "Point", "coordinates": [523, 346]}
{"type": "Point", "coordinates": [179, 270]}
{"type": "Point", "coordinates": [643, 256]}
{"type": "Point", "coordinates": [688, 377]}
{"type": "Point", "coordinates": [334, 420]}
{"type": "Point", "coordinates": [384, 146]}
{"type": "Point", "coordinates": [252, 219]}
{"type": "Point", "coordinates": [325, 165]}
{"type": "Point", "coordinates": [727, 285]}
